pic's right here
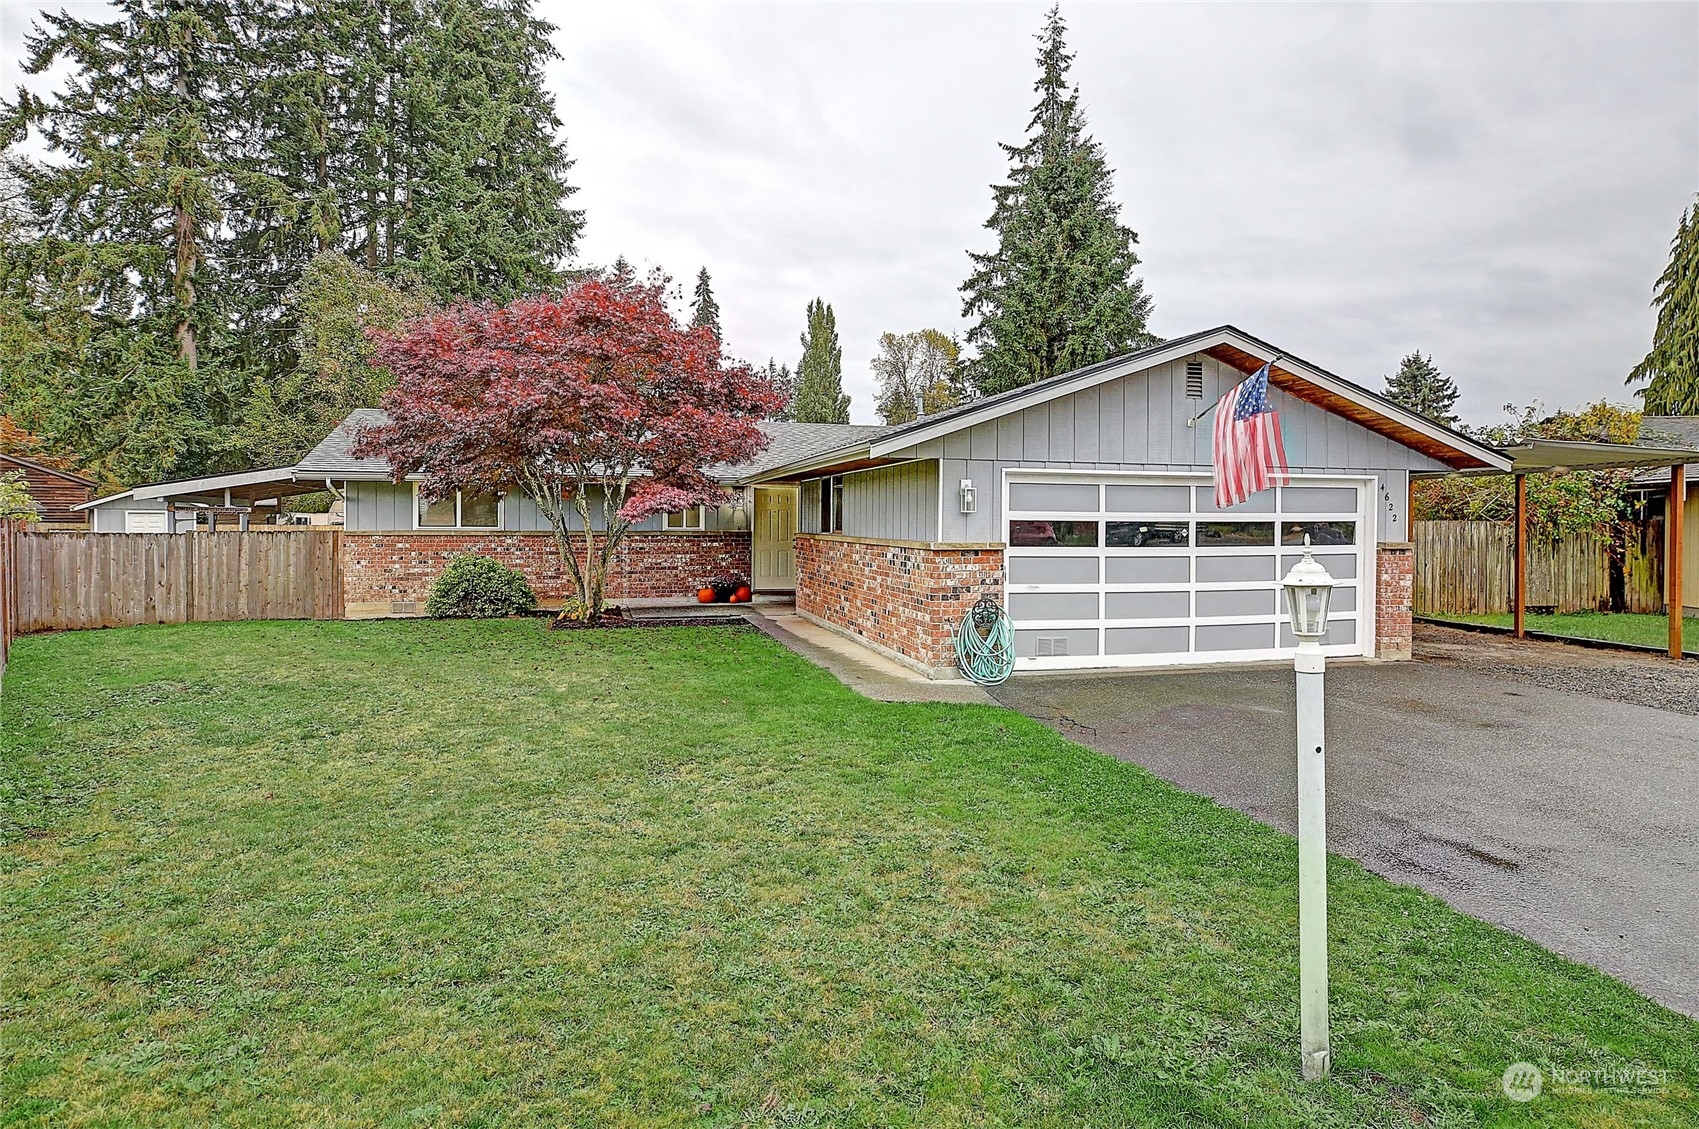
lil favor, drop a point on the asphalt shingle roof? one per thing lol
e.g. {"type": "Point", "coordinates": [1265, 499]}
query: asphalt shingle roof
{"type": "Point", "coordinates": [788, 442]}
{"type": "Point", "coordinates": [1667, 431]}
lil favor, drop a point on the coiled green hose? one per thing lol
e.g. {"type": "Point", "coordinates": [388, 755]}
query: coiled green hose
{"type": "Point", "coordinates": [985, 643]}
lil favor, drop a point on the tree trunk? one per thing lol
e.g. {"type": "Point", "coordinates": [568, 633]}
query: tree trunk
{"type": "Point", "coordinates": [187, 251]}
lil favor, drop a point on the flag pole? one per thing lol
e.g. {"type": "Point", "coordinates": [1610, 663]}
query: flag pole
{"type": "Point", "coordinates": [1193, 422]}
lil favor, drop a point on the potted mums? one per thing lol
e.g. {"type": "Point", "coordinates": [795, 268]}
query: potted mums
{"type": "Point", "coordinates": [728, 588]}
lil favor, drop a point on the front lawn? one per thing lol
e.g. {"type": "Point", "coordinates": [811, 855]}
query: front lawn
{"type": "Point", "coordinates": [1614, 627]}
{"type": "Point", "coordinates": [417, 873]}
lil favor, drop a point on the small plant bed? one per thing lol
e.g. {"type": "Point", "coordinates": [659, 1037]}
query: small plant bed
{"type": "Point", "coordinates": [1627, 628]}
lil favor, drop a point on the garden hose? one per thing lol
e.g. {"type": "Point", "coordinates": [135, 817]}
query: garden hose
{"type": "Point", "coordinates": [985, 643]}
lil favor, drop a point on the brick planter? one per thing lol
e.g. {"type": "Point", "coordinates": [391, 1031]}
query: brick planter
{"type": "Point", "coordinates": [1395, 576]}
{"type": "Point", "coordinates": [391, 573]}
{"type": "Point", "coordinates": [903, 598]}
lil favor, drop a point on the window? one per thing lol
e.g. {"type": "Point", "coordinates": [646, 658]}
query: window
{"type": "Point", "coordinates": [1221, 534]}
{"type": "Point", "coordinates": [462, 509]}
{"type": "Point", "coordinates": [1148, 534]}
{"type": "Point", "coordinates": [832, 504]}
{"type": "Point", "coordinates": [1054, 534]}
{"type": "Point", "coordinates": [683, 519]}
{"type": "Point", "coordinates": [1319, 532]}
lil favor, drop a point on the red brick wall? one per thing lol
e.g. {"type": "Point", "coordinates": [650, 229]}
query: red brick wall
{"type": "Point", "coordinates": [386, 567]}
{"type": "Point", "coordinates": [904, 596]}
{"type": "Point", "coordinates": [1395, 575]}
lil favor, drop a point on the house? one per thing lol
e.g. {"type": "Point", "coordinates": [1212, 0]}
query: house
{"type": "Point", "coordinates": [210, 502]}
{"type": "Point", "coordinates": [1084, 503]}
{"type": "Point", "coordinates": [57, 492]}
{"type": "Point", "coordinates": [1676, 431]}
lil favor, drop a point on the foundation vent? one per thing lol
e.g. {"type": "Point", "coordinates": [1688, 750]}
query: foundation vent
{"type": "Point", "coordinates": [1049, 646]}
{"type": "Point", "coordinates": [404, 607]}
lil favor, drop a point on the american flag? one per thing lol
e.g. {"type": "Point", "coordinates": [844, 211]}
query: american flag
{"type": "Point", "coordinates": [1249, 455]}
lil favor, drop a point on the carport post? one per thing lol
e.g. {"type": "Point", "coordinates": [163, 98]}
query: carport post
{"type": "Point", "coordinates": [1673, 538]}
{"type": "Point", "coordinates": [1519, 587]}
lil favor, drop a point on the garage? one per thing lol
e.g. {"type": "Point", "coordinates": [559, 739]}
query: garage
{"type": "Point", "coordinates": [1141, 569]}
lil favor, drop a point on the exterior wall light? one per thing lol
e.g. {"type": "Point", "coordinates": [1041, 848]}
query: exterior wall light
{"type": "Point", "coordinates": [968, 505]}
{"type": "Point", "coordinates": [1309, 589]}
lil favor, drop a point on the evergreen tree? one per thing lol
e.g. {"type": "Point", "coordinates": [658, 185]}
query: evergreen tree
{"type": "Point", "coordinates": [200, 153]}
{"type": "Point", "coordinates": [1420, 386]}
{"type": "Point", "coordinates": [1059, 291]}
{"type": "Point", "coordinates": [820, 374]}
{"type": "Point", "coordinates": [779, 376]}
{"type": "Point", "coordinates": [704, 309]}
{"type": "Point", "coordinates": [1671, 369]}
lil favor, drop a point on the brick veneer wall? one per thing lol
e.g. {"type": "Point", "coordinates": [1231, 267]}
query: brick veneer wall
{"type": "Point", "coordinates": [1395, 582]}
{"type": "Point", "coordinates": [903, 597]}
{"type": "Point", "coordinates": [380, 570]}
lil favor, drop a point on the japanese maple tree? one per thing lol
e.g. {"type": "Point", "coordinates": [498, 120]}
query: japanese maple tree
{"type": "Point", "coordinates": [594, 401]}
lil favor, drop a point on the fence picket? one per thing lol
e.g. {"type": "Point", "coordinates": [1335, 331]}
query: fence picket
{"type": "Point", "coordinates": [1468, 567]}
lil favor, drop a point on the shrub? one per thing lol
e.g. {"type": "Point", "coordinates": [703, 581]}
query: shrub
{"type": "Point", "coordinates": [476, 587]}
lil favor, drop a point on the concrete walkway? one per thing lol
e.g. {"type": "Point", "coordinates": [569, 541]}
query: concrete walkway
{"type": "Point", "coordinates": [862, 669]}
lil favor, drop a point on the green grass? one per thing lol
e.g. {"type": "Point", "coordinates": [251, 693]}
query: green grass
{"type": "Point", "coordinates": [466, 874]}
{"type": "Point", "coordinates": [1616, 627]}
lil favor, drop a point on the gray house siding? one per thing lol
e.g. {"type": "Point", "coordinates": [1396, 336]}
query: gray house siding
{"type": "Point", "coordinates": [388, 506]}
{"type": "Point", "coordinates": [1138, 422]}
{"type": "Point", "coordinates": [898, 503]}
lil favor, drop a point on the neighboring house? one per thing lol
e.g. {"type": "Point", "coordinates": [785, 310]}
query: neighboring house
{"type": "Point", "coordinates": [1083, 502]}
{"type": "Point", "coordinates": [1676, 431]}
{"type": "Point", "coordinates": [57, 492]}
{"type": "Point", "coordinates": [211, 502]}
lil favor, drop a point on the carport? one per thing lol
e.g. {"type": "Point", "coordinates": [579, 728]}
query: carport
{"type": "Point", "coordinates": [1560, 456]}
{"type": "Point", "coordinates": [160, 507]}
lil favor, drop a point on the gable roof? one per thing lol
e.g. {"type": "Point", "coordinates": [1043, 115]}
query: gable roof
{"type": "Point", "coordinates": [787, 442]}
{"type": "Point", "coordinates": [1227, 344]}
{"type": "Point", "coordinates": [43, 468]}
{"type": "Point", "coordinates": [1669, 431]}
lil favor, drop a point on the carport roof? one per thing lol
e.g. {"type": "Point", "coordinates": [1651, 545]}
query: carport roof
{"type": "Point", "coordinates": [213, 489]}
{"type": "Point", "coordinates": [1545, 456]}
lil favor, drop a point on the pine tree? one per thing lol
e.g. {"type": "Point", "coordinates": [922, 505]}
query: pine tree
{"type": "Point", "coordinates": [1059, 291]}
{"type": "Point", "coordinates": [704, 309]}
{"type": "Point", "coordinates": [1419, 386]}
{"type": "Point", "coordinates": [820, 374]}
{"type": "Point", "coordinates": [200, 154]}
{"type": "Point", "coordinates": [1671, 368]}
{"type": "Point", "coordinates": [779, 376]}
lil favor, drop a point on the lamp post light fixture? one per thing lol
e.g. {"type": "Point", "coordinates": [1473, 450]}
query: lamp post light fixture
{"type": "Point", "coordinates": [1309, 589]}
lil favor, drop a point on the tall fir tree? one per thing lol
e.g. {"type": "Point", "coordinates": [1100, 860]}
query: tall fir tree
{"type": "Point", "coordinates": [1670, 370]}
{"type": "Point", "coordinates": [779, 376]}
{"type": "Point", "coordinates": [704, 310]}
{"type": "Point", "coordinates": [1059, 291]}
{"type": "Point", "coordinates": [1420, 386]}
{"type": "Point", "coordinates": [200, 153]}
{"type": "Point", "coordinates": [820, 394]}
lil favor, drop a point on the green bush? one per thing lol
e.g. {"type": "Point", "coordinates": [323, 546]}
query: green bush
{"type": "Point", "coordinates": [475, 587]}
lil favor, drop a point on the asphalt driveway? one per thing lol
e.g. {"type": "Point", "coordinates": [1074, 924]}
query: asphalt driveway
{"type": "Point", "coordinates": [1512, 780]}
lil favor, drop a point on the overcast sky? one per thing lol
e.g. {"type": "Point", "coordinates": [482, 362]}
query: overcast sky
{"type": "Point", "coordinates": [1495, 185]}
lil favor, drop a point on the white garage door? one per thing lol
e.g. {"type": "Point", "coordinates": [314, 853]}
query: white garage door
{"type": "Point", "coordinates": [1144, 571]}
{"type": "Point", "coordinates": [147, 521]}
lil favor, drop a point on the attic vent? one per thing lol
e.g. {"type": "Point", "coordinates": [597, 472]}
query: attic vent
{"type": "Point", "coordinates": [1194, 380]}
{"type": "Point", "coordinates": [1049, 646]}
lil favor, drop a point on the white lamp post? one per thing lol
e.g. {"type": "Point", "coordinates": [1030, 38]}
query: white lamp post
{"type": "Point", "coordinates": [1308, 590]}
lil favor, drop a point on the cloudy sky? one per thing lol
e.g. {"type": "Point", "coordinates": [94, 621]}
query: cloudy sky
{"type": "Point", "coordinates": [1495, 185]}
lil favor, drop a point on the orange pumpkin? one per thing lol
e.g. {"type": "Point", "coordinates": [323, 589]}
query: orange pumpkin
{"type": "Point", "coordinates": [741, 596]}
{"type": "Point", "coordinates": [705, 595]}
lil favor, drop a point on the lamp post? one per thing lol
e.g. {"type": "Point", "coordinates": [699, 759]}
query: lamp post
{"type": "Point", "coordinates": [1308, 591]}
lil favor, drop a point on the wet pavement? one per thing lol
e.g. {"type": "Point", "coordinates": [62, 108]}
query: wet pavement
{"type": "Point", "coordinates": [1562, 814]}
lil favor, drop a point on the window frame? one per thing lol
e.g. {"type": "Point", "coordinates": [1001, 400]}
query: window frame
{"type": "Point", "coordinates": [832, 504]}
{"type": "Point", "coordinates": [701, 525]}
{"type": "Point", "coordinates": [458, 526]}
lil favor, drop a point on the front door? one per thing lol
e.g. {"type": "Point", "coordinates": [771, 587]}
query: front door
{"type": "Point", "coordinates": [774, 547]}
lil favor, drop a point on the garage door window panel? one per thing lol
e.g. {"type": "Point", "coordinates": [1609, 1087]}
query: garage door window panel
{"type": "Point", "coordinates": [1235, 534]}
{"type": "Point", "coordinates": [1319, 532]}
{"type": "Point", "coordinates": [1058, 534]}
{"type": "Point", "coordinates": [1052, 570]}
{"type": "Point", "coordinates": [1149, 569]}
{"type": "Point", "coordinates": [1148, 534]}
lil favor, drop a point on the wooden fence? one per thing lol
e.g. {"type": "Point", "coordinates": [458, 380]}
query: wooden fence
{"type": "Point", "coordinates": [1468, 567]}
{"type": "Point", "coordinates": [76, 580]}
{"type": "Point", "coordinates": [8, 589]}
